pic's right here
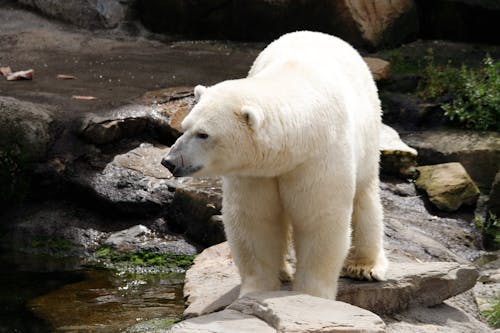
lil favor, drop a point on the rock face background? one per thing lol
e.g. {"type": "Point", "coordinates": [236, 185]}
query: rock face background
{"type": "Point", "coordinates": [368, 24]}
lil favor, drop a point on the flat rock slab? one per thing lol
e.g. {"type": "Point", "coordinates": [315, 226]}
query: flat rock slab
{"type": "Point", "coordinates": [285, 311]}
{"type": "Point", "coordinates": [213, 282]}
{"type": "Point", "coordinates": [224, 321]}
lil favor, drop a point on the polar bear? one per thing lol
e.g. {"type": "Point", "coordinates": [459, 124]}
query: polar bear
{"type": "Point", "coordinates": [297, 145]}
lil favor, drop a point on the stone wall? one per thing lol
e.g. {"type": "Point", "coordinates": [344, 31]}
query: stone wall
{"type": "Point", "coordinates": [365, 24]}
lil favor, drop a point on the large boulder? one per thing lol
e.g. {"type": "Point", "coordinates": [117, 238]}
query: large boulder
{"type": "Point", "coordinates": [87, 14]}
{"type": "Point", "coordinates": [212, 283]}
{"type": "Point", "coordinates": [448, 186]}
{"type": "Point", "coordinates": [136, 183]}
{"type": "Point", "coordinates": [26, 135]}
{"type": "Point", "coordinates": [27, 126]}
{"type": "Point", "coordinates": [360, 22]}
{"type": "Point", "coordinates": [478, 152]}
{"type": "Point", "coordinates": [158, 112]}
{"type": "Point", "coordinates": [377, 23]}
{"type": "Point", "coordinates": [285, 312]}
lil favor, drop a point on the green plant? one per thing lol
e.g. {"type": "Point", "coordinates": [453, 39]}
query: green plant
{"type": "Point", "coordinates": [490, 228]}
{"type": "Point", "coordinates": [477, 100]}
{"type": "Point", "coordinates": [54, 244]}
{"type": "Point", "coordinates": [146, 258]}
{"type": "Point", "coordinates": [474, 93]}
{"type": "Point", "coordinates": [493, 314]}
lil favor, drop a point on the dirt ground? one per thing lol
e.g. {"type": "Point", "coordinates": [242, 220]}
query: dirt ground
{"type": "Point", "coordinates": [112, 66]}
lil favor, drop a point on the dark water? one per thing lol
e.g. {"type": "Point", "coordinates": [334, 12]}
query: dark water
{"type": "Point", "coordinates": [40, 294]}
{"type": "Point", "coordinates": [23, 278]}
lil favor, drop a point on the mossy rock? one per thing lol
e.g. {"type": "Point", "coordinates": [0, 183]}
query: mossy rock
{"type": "Point", "coordinates": [447, 185]}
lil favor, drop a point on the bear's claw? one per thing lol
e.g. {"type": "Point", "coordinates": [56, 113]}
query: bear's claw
{"type": "Point", "coordinates": [365, 271]}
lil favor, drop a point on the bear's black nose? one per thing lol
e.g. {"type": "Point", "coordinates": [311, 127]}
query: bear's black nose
{"type": "Point", "coordinates": [168, 164]}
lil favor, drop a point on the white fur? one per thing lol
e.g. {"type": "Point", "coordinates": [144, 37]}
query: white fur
{"type": "Point", "coordinates": [297, 145]}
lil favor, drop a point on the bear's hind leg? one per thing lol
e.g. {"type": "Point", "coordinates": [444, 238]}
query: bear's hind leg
{"type": "Point", "coordinates": [366, 259]}
{"type": "Point", "coordinates": [255, 230]}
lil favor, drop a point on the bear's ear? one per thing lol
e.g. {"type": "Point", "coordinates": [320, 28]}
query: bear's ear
{"type": "Point", "coordinates": [253, 116]}
{"type": "Point", "coordinates": [198, 91]}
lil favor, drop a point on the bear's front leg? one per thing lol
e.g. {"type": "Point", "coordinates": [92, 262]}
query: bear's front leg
{"type": "Point", "coordinates": [321, 249]}
{"type": "Point", "coordinates": [320, 212]}
{"type": "Point", "coordinates": [255, 230]}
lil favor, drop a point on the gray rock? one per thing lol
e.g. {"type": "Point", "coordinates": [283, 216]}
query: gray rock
{"type": "Point", "coordinates": [26, 126]}
{"type": "Point", "coordinates": [478, 152]}
{"type": "Point", "coordinates": [285, 312]}
{"type": "Point", "coordinates": [136, 182]}
{"type": "Point", "coordinates": [140, 238]}
{"type": "Point", "coordinates": [447, 185]}
{"type": "Point", "coordinates": [128, 237]}
{"type": "Point", "coordinates": [414, 233]}
{"type": "Point", "coordinates": [295, 312]}
{"type": "Point", "coordinates": [213, 283]}
{"type": "Point", "coordinates": [124, 122]}
{"type": "Point", "coordinates": [87, 14]}
{"type": "Point", "coordinates": [226, 321]}
{"type": "Point", "coordinates": [397, 158]}
{"type": "Point", "coordinates": [443, 318]}
{"type": "Point", "coordinates": [59, 230]}
{"type": "Point", "coordinates": [408, 111]}
{"type": "Point", "coordinates": [158, 112]}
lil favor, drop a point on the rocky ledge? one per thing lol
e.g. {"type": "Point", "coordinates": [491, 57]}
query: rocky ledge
{"type": "Point", "coordinates": [213, 282]}
{"type": "Point", "coordinates": [285, 311]}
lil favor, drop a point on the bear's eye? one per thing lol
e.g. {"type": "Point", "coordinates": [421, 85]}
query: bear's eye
{"type": "Point", "coordinates": [201, 135]}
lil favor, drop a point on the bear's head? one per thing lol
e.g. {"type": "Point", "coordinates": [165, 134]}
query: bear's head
{"type": "Point", "coordinates": [222, 135]}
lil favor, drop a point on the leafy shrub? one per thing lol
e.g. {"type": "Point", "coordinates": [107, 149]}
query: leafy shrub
{"type": "Point", "coordinates": [474, 93]}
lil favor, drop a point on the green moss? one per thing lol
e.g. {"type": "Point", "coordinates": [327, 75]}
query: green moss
{"type": "Point", "coordinates": [52, 244]}
{"type": "Point", "coordinates": [493, 315]}
{"type": "Point", "coordinates": [146, 258]}
{"type": "Point", "coordinates": [402, 64]}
